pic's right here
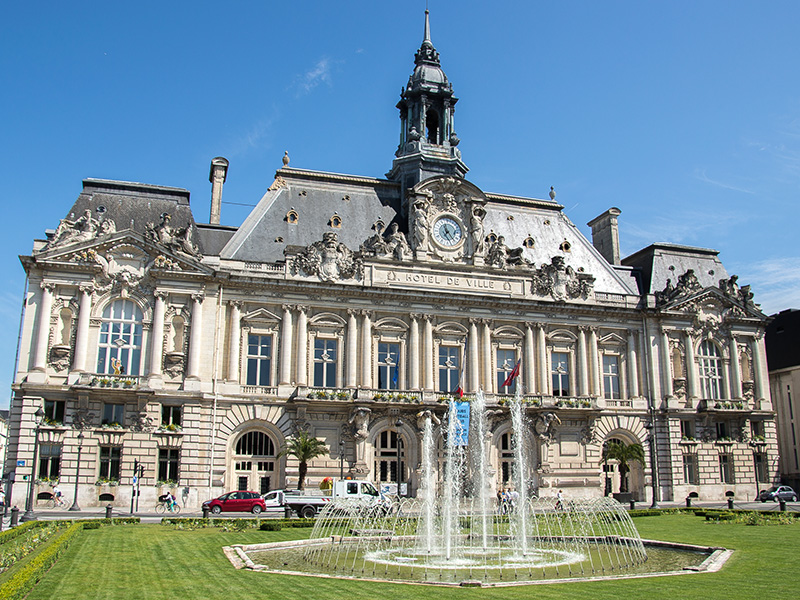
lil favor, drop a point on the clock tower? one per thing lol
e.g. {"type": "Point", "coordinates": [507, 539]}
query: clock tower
{"type": "Point", "coordinates": [428, 141]}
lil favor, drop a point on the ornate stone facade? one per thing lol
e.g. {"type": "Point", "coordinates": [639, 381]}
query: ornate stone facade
{"type": "Point", "coordinates": [353, 308]}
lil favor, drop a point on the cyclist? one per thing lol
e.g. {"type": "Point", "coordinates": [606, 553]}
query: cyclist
{"type": "Point", "coordinates": [171, 501]}
{"type": "Point", "coordinates": [57, 494]}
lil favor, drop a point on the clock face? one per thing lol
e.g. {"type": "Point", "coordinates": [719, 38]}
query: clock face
{"type": "Point", "coordinates": [447, 232]}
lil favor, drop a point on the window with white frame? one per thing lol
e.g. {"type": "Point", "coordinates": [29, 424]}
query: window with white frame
{"type": "Point", "coordinates": [710, 370]}
{"type": "Point", "coordinates": [389, 453]}
{"type": "Point", "coordinates": [120, 344]}
{"type": "Point", "coordinates": [388, 366]}
{"type": "Point", "coordinates": [259, 360]}
{"type": "Point", "coordinates": [325, 361]}
{"type": "Point", "coordinates": [506, 362]}
{"type": "Point", "coordinates": [611, 387]}
{"type": "Point", "coordinates": [449, 368]}
{"type": "Point", "coordinates": [559, 369]}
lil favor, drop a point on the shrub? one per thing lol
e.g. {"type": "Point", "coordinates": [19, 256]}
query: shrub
{"type": "Point", "coordinates": [270, 526]}
{"type": "Point", "coordinates": [91, 525]}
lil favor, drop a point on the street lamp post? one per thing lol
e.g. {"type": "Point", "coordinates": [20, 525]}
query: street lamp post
{"type": "Point", "coordinates": [75, 506]}
{"type": "Point", "coordinates": [651, 429]}
{"type": "Point", "coordinates": [398, 424]}
{"type": "Point", "coordinates": [29, 516]}
{"type": "Point", "coordinates": [341, 459]}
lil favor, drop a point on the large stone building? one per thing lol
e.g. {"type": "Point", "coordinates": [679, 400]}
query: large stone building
{"type": "Point", "coordinates": [783, 353]}
{"type": "Point", "coordinates": [352, 307]}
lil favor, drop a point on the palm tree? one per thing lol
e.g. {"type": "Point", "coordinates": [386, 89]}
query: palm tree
{"type": "Point", "coordinates": [624, 454]}
{"type": "Point", "coordinates": [304, 448]}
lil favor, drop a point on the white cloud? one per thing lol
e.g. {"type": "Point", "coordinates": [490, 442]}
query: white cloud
{"type": "Point", "coordinates": [775, 282]}
{"type": "Point", "coordinates": [320, 73]}
{"type": "Point", "coordinates": [701, 175]}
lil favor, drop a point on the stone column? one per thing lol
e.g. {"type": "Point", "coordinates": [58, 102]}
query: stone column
{"type": "Point", "coordinates": [234, 339]}
{"type": "Point", "coordinates": [488, 376]}
{"type": "Point", "coordinates": [528, 373]}
{"type": "Point", "coordinates": [82, 329]}
{"type": "Point", "coordinates": [736, 369]}
{"type": "Point", "coordinates": [583, 363]}
{"type": "Point", "coordinates": [541, 352]}
{"type": "Point", "coordinates": [413, 353]}
{"type": "Point", "coordinates": [286, 346]}
{"type": "Point", "coordinates": [43, 332]}
{"type": "Point", "coordinates": [157, 333]}
{"type": "Point", "coordinates": [472, 357]}
{"type": "Point", "coordinates": [760, 376]}
{"type": "Point", "coordinates": [196, 337]}
{"type": "Point", "coordinates": [691, 366]}
{"type": "Point", "coordinates": [428, 357]}
{"type": "Point", "coordinates": [596, 369]}
{"type": "Point", "coordinates": [666, 364]}
{"type": "Point", "coordinates": [352, 349]}
{"type": "Point", "coordinates": [633, 367]}
{"type": "Point", "coordinates": [366, 349]}
{"type": "Point", "coordinates": [301, 376]}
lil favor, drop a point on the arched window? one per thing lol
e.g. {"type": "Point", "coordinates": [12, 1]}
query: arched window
{"type": "Point", "coordinates": [432, 122]}
{"type": "Point", "coordinates": [254, 462]}
{"type": "Point", "coordinates": [710, 370]}
{"type": "Point", "coordinates": [387, 448]}
{"type": "Point", "coordinates": [120, 347]}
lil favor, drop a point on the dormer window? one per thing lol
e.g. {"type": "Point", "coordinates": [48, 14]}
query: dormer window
{"type": "Point", "coordinates": [491, 238]}
{"type": "Point", "coordinates": [335, 222]}
{"type": "Point", "coordinates": [528, 243]}
{"type": "Point", "coordinates": [565, 246]}
{"type": "Point", "coordinates": [292, 217]}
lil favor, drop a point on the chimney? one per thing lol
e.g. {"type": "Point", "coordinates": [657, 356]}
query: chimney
{"type": "Point", "coordinates": [605, 234]}
{"type": "Point", "coordinates": [217, 176]}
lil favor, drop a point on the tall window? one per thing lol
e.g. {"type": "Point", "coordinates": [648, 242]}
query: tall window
{"type": "Point", "coordinates": [687, 429]}
{"type": "Point", "coordinates": [506, 361]}
{"type": "Point", "coordinates": [113, 414]}
{"type": "Point", "coordinates": [762, 474]}
{"type": "Point", "coordinates": [611, 377]}
{"type": "Point", "coordinates": [168, 461]}
{"type": "Point", "coordinates": [449, 368]}
{"type": "Point", "coordinates": [506, 458]}
{"type": "Point", "coordinates": [171, 415]}
{"type": "Point", "coordinates": [54, 412]}
{"type": "Point", "coordinates": [120, 346]}
{"type": "Point", "coordinates": [560, 372]}
{"type": "Point", "coordinates": [259, 359]}
{"type": "Point", "coordinates": [725, 468]}
{"type": "Point", "coordinates": [388, 366]}
{"type": "Point", "coordinates": [690, 469]}
{"type": "Point", "coordinates": [49, 461]}
{"type": "Point", "coordinates": [710, 370]}
{"type": "Point", "coordinates": [325, 362]}
{"type": "Point", "coordinates": [109, 462]}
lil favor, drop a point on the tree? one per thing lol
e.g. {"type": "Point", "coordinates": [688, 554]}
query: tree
{"type": "Point", "coordinates": [304, 448]}
{"type": "Point", "coordinates": [624, 454]}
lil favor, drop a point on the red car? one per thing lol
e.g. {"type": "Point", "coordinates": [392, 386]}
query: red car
{"type": "Point", "coordinates": [236, 502]}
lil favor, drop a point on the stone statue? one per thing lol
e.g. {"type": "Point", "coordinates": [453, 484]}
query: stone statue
{"type": "Point", "coordinates": [561, 281]}
{"type": "Point", "coordinates": [476, 229]}
{"type": "Point", "coordinates": [501, 256]}
{"type": "Point", "coordinates": [360, 421]}
{"type": "Point", "coordinates": [176, 239]}
{"type": "Point", "coordinates": [329, 259]}
{"type": "Point", "coordinates": [84, 228]}
{"type": "Point", "coordinates": [419, 225]}
{"type": "Point", "coordinates": [396, 242]}
{"type": "Point", "coordinates": [423, 416]}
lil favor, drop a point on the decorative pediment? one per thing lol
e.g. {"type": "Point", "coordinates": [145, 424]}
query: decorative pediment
{"type": "Point", "coordinates": [451, 328]}
{"type": "Point", "coordinates": [261, 315]}
{"type": "Point", "coordinates": [123, 257]}
{"type": "Point", "coordinates": [726, 301]}
{"type": "Point", "coordinates": [612, 339]}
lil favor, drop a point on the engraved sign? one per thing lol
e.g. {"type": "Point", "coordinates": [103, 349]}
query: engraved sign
{"type": "Point", "coordinates": [464, 283]}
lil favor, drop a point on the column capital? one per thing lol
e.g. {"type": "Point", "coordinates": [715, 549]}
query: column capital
{"type": "Point", "coordinates": [160, 294]}
{"type": "Point", "coordinates": [286, 307]}
{"type": "Point", "coordinates": [199, 297]}
{"type": "Point", "coordinates": [236, 304]}
{"type": "Point", "coordinates": [48, 286]}
{"type": "Point", "coordinates": [87, 288]}
{"type": "Point", "coordinates": [367, 313]}
{"type": "Point", "coordinates": [353, 312]}
{"type": "Point", "coordinates": [301, 308]}
{"type": "Point", "coordinates": [539, 325]}
{"type": "Point", "coordinates": [584, 328]}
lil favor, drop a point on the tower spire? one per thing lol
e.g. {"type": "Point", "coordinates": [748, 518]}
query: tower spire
{"type": "Point", "coordinates": [427, 37]}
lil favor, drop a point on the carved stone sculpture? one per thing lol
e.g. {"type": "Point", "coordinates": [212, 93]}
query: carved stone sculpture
{"type": "Point", "coordinates": [423, 416]}
{"type": "Point", "coordinates": [687, 285]}
{"type": "Point", "coordinates": [328, 259]}
{"type": "Point", "coordinates": [476, 230]}
{"type": "Point", "coordinates": [545, 426]}
{"type": "Point", "coordinates": [176, 239]}
{"type": "Point", "coordinates": [561, 281]}
{"type": "Point", "coordinates": [394, 244]}
{"type": "Point", "coordinates": [360, 421]}
{"type": "Point", "coordinates": [419, 225]}
{"type": "Point", "coordinates": [82, 229]}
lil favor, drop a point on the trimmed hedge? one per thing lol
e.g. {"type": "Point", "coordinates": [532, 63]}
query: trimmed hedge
{"type": "Point", "coordinates": [19, 530]}
{"type": "Point", "coordinates": [238, 524]}
{"type": "Point", "coordinates": [23, 581]}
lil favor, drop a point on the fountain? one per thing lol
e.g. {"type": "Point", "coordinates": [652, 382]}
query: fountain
{"type": "Point", "coordinates": [453, 532]}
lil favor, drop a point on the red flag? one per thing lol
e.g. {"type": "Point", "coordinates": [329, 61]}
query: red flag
{"type": "Point", "coordinates": [512, 376]}
{"type": "Point", "coordinates": [460, 388]}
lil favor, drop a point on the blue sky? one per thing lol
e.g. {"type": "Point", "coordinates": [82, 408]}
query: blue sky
{"type": "Point", "coordinates": [684, 114]}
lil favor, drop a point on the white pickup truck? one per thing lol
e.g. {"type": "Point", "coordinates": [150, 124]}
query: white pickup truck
{"type": "Point", "coordinates": [305, 503]}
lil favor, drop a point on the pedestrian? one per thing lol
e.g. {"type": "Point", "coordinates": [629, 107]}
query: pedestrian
{"type": "Point", "coordinates": [2, 500]}
{"type": "Point", "coordinates": [560, 500]}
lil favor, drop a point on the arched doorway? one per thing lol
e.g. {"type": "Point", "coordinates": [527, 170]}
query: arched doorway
{"type": "Point", "coordinates": [255, 462]}
{"type": "Point", "coordinates": [623, 468]}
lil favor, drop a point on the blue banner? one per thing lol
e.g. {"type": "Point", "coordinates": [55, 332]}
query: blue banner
{"type": "Point", "coordinates": [462, 424]}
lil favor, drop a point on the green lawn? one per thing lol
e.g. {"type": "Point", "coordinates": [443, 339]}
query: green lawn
{"type": "Point", "coordinates": [158, 562]}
